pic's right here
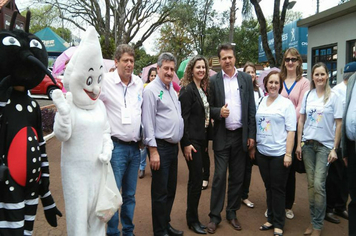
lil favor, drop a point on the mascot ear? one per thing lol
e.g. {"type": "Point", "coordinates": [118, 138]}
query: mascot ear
{"type": "Point", "coordinates": [27, 24]}
{"type": "Point", "coordinates": [13, 20]}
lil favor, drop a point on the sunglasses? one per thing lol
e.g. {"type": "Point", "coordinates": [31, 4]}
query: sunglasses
{"type": "Point", "coordinates": [293, 59]}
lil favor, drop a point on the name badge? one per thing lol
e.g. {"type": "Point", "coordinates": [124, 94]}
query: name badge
{"type": "Point", "coordinates": [126, 116]}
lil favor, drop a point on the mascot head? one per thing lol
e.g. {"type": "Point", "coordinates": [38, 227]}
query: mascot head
{"type": "Point", "coordinates": [85, 71]}
{"type": "Point", "coordinates": [23, 57]}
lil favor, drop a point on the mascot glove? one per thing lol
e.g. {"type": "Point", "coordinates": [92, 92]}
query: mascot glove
{"type": "Point", "coordinates": [105, 157]}
{"type": "Point", "coordinates": [63, 104]}
{"type": "Point", "coordinates": [51, 216]}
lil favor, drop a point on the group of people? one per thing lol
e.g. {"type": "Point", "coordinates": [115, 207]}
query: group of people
{"type": "Point", "coordinates": [294, 120]}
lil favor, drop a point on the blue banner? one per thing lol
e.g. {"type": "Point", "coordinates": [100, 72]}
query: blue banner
{"type": "Point", "coordinates": [292, 37]}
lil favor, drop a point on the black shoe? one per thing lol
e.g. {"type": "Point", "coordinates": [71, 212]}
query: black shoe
{"type": "Point", "coordinates": [174, 232]}
{"type": "Point", "coordinates": [332, 218]}
{"type": "Point", "coordinates": [343, 214]}
{"type": "Point", "coordinates": [202, 226]}
{"type": "Point", "coordinates": [196, 228]}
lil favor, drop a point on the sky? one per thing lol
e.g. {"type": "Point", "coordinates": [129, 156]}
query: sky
{"type": "Point", "coordinates": [307, 7]}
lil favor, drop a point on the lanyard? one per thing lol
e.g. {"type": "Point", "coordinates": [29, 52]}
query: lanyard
{"type": "Point", "coordinates": [125, 91]}
{"type": "Point", "coordinates": [291, 88]}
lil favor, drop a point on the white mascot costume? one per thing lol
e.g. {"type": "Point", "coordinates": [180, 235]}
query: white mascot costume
{"type": "Point", "coordinates": [82, 126]}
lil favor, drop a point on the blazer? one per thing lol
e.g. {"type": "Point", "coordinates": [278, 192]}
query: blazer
{"type": "Point", "coordinates": [193, 114]}
{"type": "Point", "coordinates": [248, 109]}
{"type": "Point", "coordinates": [345, 142]}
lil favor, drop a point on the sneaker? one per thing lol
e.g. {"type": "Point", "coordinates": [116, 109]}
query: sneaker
{"type": "Point", "coordinates": [266, 213]}
{"type": "Point", "coordinates": [289, 214]}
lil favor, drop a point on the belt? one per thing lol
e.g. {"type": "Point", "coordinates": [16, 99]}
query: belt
{"type": "Point", "coordinates": [311, 141]}
{"type": "Point", "coordinates": [116, 140]}
{"type": "Point", "coordinates": [164, 141]}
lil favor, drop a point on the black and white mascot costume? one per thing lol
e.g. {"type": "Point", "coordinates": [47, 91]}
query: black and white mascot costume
{"type": "Point", "coordinates": [23, 65]}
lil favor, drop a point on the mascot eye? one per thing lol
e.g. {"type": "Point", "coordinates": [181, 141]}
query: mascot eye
{"type": "Point", "coordinates": [11, 41]}
{"type": "Point", "coordinates": [89, 80]}
{"type": "Point", "coordinates": [99, 79]}
{"type": "Point", "coordinates": [35, 44]}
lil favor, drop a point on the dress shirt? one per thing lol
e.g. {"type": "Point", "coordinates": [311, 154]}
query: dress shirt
{"type": "Point", "coordinates": [115, 95]}
{"type": "Point", "coordinates": [232, 98]}
{"type": "Point", "coordinates": [161, 114]}
{"type": "Point", "coordinates": [351, 116]}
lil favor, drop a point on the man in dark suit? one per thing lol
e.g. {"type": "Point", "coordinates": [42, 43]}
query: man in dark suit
{"type": "Point", "coordinates": [232, 107]}
{"type": "Point", "coordinates": [348, 139]}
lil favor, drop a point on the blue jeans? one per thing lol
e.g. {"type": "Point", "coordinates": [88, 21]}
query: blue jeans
{"type": "Point", "coordinates": [315, 158]}
{"type": "Point", "coordinates": [143, 153]}
{"type": "Point", "coordinates": [125, 162]}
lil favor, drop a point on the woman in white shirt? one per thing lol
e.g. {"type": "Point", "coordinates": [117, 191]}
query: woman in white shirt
{"type": "Point", "coordinates": [276, 124]}
{"type": "Point", "coordinates": [318, 140]}
{"type": "Point", "coordinates": [250, 69]}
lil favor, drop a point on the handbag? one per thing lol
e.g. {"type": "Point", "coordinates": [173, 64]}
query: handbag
{"type": "Point", "coordinates": [109, 199]}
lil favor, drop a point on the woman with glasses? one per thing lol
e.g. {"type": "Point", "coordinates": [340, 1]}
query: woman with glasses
{"type": "Point", "coordinates": [294, 87]}
{"type": "Point", "coordinates": [319, 127]}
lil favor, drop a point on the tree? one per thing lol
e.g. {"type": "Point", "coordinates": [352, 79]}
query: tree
{"type": "Point", "coordinates": [174, 39]}
{"type": "Point", "coordinates": [142, 59]}
{"type": "Point", "coordinates": [246, 39]}
{"type": "Point", "coordinates": [118, 19]}
{"type": "Point", "coordinates": [195, 16]}
{"type": "Point", "coordinates": [216, 36]}
{"type": "Point", "coordinates": [48, 16]}
{"type": "Point", "coordinates": [278, 24]}
{"type": "Point", "coordinates": [232, 20]}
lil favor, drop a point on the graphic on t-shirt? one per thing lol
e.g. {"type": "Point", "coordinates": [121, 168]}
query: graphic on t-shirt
{"type": "Point", "coordinates": [264, 124]}
{"type": "Point", "coordinates": [314, 116]}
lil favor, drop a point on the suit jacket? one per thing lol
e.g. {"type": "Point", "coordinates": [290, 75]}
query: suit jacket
{"type": "Point", "coordinates": [345, 142]}
{"type": "Point", "coordinates": [248, 109]}
{"type": "Point", "coordinates": [193, 114]}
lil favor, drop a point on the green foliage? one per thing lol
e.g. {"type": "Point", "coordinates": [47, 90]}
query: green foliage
{"type": "Point", "coordinates": [47, 16]}
{"type": "Point", "coordinates": [246, 39]}
{"type": "Point", "coordinates": [142, 59]}
{"type": "Point", "coordinates": [175, 39]}
{"type": "Point", "coordinates": [215, 36]}
{"type": "Point", "coordinates": [64, 33]}
{"type": "Point", "coordinates": [108, 51]}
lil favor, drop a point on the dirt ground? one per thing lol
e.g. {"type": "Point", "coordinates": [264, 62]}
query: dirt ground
{"type": "Point", "coordinates": [250, 219]}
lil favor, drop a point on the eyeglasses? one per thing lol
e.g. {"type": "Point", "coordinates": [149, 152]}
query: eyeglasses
{"type": "Point", "coordinates": [293, 59]}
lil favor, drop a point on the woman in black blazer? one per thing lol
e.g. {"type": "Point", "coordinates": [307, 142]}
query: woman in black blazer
{"type": "Point", "coordinates": [196, 116]}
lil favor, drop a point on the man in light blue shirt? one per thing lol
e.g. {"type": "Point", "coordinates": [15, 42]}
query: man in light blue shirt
{"type": "Point", "coordinates": [163, 129]}
{"type": "Point", "coordinates": [348, 140]}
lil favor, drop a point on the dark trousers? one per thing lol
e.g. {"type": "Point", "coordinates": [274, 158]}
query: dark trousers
{"type": "Point", "coordinates": [163, 187]}
{"type": "Point", "coordinates": [195, 181]}
{"type": "Point", "coordinates": [290, 186]}
{"type": "Point", "coordinates": [351, 171]}
{"type": "Point", "coordinates": [247, 177]}
{"type": "Point", "coordinates": [336, 186]}
{"type": "Point", "coordinates": [206, 162]}
{"type": "Point", "coordinates": [274, 175]}
{"type": "Point", "coordinates": [234, 158]}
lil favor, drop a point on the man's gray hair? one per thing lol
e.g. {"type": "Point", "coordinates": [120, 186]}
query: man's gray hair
{"type": "Point", "coordinates": [166, 56]}
{"type": "Point", "coordinates": [347, 75]}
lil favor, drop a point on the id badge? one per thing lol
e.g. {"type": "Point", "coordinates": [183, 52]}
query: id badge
{"type": "Point", "coordinates": [126, 116]}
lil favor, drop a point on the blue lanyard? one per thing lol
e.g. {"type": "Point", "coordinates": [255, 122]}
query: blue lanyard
{"type": "Point", "coordinates": [291, 88]}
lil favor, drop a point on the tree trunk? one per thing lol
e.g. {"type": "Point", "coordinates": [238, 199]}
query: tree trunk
{"type": "Point", "coordinates": [263, 32]}
{"type": "Point", "coordinates": [232, 20]}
